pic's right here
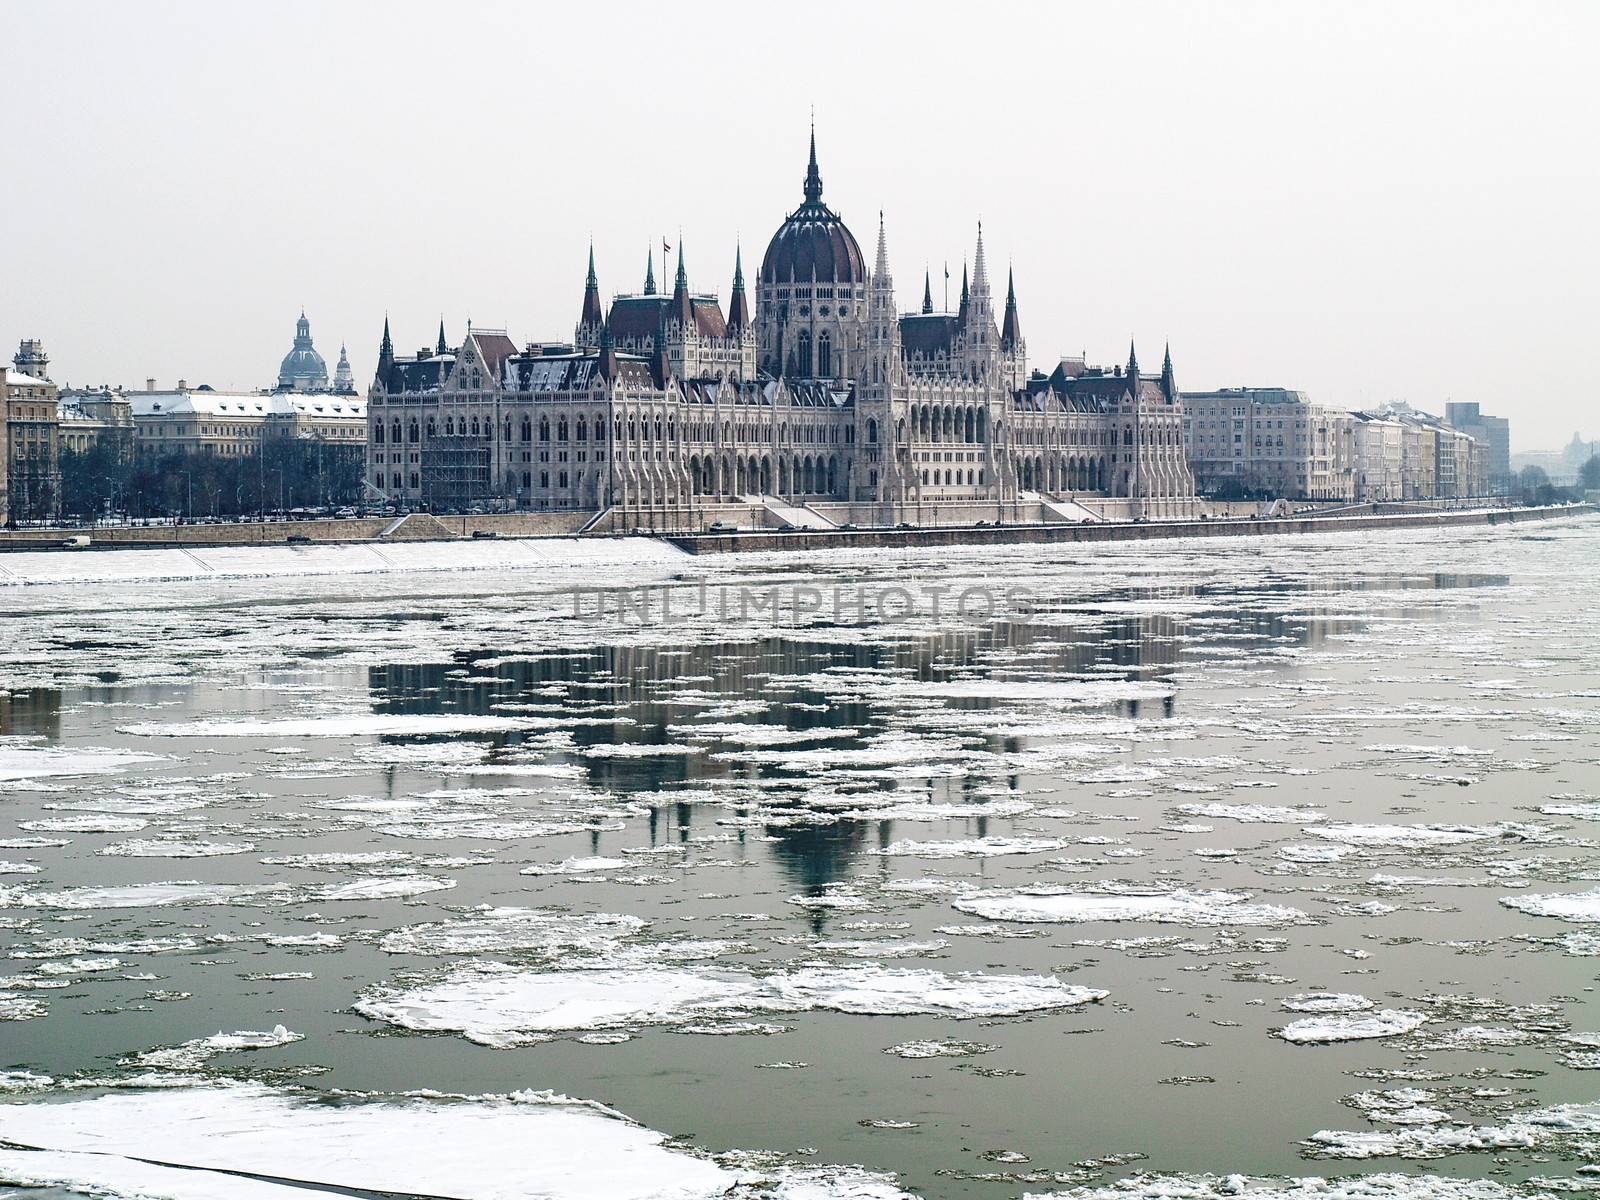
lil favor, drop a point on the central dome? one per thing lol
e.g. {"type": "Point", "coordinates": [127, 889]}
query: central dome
{"type": "Point", "coordinates": [813, 243]}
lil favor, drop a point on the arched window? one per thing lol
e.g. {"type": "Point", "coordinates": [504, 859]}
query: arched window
{"type": "Point", "coordinates": [377, 433]}
{"type": "Point", "coordinates": [803, 354]}
{"type": "Point", "coordinates": [432, 429]}
{"type": "Point", "coordinates": [396, 440]}
{"type": "Point", "coordinates": [544, 429]}
{"type": "Point", "coordinates": [561, 430]}
{"type": "Point", "coordinates": [583, 428]}
{"type": "Point", "coordinates": [414, 432]}
{"type": "Point", "coordinates": [527, 429]}
{"type": "Point", "coordinates": [825, 356]}
{"type": "Point", "coordinates": [872, 432]}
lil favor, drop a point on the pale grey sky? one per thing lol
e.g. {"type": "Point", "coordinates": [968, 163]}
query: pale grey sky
{"type": "Point", "coordinates": [1370, 201]}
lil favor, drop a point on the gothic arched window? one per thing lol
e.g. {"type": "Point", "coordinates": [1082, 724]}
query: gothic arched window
{"type": "Point", "coordinates": [803, 354]}
{"type": "Point", "coordinates": [825, 356]}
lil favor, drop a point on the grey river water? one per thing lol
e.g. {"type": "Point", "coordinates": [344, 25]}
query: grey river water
{"type": "Point", "coordinates": [1146, 865]}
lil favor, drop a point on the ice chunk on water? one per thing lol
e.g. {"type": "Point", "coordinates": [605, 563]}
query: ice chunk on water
{"type": "Point", "coordinates": [1389, 1022]}
{"type": "Point", "coordinates": [1568, 906]}
{"type": "Point", "coordinates": [1326, 1002]}
{"type": "Point", "coordinates": [334, 726]}
{"type": "Point", "coordinates": [196, 1053]}
{"type": "Point", "coordinates": [1167, 908]}
{"type": "Point", "coordinates": [984, 847]}
{"type": "Point", "coordinates": [478, 1149]}
{"type": "Point", "coordinates": [499, 1006]}
{"type": "Point", "coordinates": [1243, 1187]}
{"type": "Point", "coordinates": [39, 762]}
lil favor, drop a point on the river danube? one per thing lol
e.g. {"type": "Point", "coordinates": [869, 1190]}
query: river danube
{"type": "Point", "coordinates": [1178, 869]}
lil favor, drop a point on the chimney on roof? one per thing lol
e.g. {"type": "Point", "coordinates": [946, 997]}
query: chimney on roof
{"type": "Point", "coordinates": [183, 385]}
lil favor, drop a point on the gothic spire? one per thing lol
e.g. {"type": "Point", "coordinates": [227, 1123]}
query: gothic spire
{"type": "Point", "coordinates": [682, 310]}
{"type": "Point", "coordinates": [443, 347]}
{"type": "Point", "coordinates": [385, 352]}
{"type": "Point", "coordinates": [738, 310]}
{"type": "Point", "coordinates": [927, 292]}
{"type": "Point", "coordinates": [980, 271]}
{"type": "Point", "coordinates": [880, 270]}
{"type": "Point", "coordinates": [650, 274]}
{"type": "Point", "coordinates": [1133, 362]}
{"type": "Point", "coordinates": [1169, 380]}
{"type": "Point", "coordinates": [961, 313]}
{"type": "Point", "coordinates": [1011, 328]}
{"type": "Point", "coordinates": [813, 176]}
{"type": "Point", "coordinates": [591, 318]}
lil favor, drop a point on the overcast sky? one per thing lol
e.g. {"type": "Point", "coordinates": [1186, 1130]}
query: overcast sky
{"type": "Point", "coordinates": [1367, 201]}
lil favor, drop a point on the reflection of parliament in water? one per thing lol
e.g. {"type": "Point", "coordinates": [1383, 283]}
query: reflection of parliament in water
{"type": "Point", "coordinates": [636, 686]}
{"type": "Point", "coordinates": [827, 395]}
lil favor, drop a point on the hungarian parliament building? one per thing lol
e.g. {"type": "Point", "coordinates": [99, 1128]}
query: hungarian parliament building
{"type": "Point", "coordinates": [824, 398]}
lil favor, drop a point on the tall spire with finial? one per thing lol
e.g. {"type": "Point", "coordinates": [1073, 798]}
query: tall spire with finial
{"type": "Point", "coordinates": [682, 309]}
{"type": "Point", "coordinates": [927, 292]}
{"type": "Point", "coordinates": [961, 313]}
{"type": "Point", "coordinates": [1011, 328]}
{"type": "Point", "coordinates": [1169, 380]}
{"type": "Point", "coordinates": [738, 310]}
{"type": "Point", "coordinates": [385, 352]}
{"type": "Point", "coordinates": [813, 176]}
{"type": "Point", "coordinates": [1133, 361]}
{"type": "Point", "coordinates": [591, 317]}
{"type": "Point", "coordinates": [880, 269]}
{"type": "Point", "coordinates": [443, 347]}
{"type": "Point", "coordinates": [650, 273]}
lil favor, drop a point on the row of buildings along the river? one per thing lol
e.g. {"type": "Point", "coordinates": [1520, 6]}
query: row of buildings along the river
{"type": "Point", "coordinates": [820, 397]}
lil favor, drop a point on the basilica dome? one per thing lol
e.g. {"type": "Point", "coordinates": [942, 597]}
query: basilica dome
{"type": "Point", "coordinates": [303, 369]}
{"type": "Point", "coordinates": [813, 243]}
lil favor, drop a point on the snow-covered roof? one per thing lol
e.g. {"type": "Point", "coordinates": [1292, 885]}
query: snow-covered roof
{"type": "Point", "coordinates": [246, 404]}
{"type": "Point", "coordinates": [18, 379]}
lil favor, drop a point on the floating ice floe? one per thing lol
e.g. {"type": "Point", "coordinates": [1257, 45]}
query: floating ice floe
{"type": "Point", "coordinates": [334, 726]}
{"type": "Point", "coordinates": [161, 848]}
{"type": "Point", "coordinates": [1345, 1027]}
{"type": "Point", "coordinates": [592, 865]}
{"type": "Point", "coordinates": [944, 1049]}
{"type": "Point", "coordinates": [1326, 1002]}
{"type": "Point", "coordinates": [500, 1006]}
{"type": "Point", "coordinates": [136, 895]}
{"type": "Point", "coordinates": [1253, 813]}
{"type": "Point", "coordinates": [984, 847]}
{"type": "Point", "coordinates": [1166, 908]}
{"type": "Point", "coordinates": [1422, 837]}
{"type": "Point", "coordinates": [1571, 1127]}
{"type": "Point", "coordinates": [1246, 1187]}
{"type": "Point", "coordinates": [192, 1055]}
{"type": "Point", "coordinates": [44, 762]}
{"type": "Point", "coordinates": [502, 930]}
{"type": "Point", "coordinates": [84, 824]}
{"type": "Point", "coordinates": [194, 1143]}
{"type": "Point", "coordinates": [1567, 906]}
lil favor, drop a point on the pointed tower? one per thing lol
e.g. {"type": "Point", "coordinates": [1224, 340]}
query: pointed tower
{"type": "Point", "coordinates": [980, 339]}
{"type": "Point", "coordinates": [385, 355]}
{"type": "Point", "coordinates": [443, 346]}
{"type": "Point", "coordinates": [1011, 328]}
{"type": "Point", "coordinates": [590, 318]}
{"type": "Point", "coordinates": [343, 381]}
{"type": "Point", "coordinates": [738, 310]}
{"type": "Point", "coordinates": [883, 326]}
{"type": "Point", "coordinates": [1169, 381]}
{"type": "Point", "coordinates": [813, 176]}
{"type": "Point", "coordinates": [1133, 365]}
{"type": "Point", "coordinates": [927, 292]}
{"type": "Point", "coordinates": [650, 274]}
{"type": "Point", "coordinates": [961, 313]}
{"type": "Point", "coordinates": [682, 310]}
